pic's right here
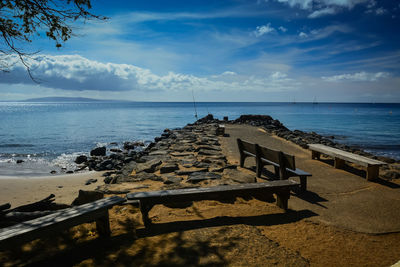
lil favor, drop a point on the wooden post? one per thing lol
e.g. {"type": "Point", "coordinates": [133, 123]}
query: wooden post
{"type": "Point", "coordinates": [303, 183]}
{"type": "Point", "coordinates": [339, 163]}
{"type": "Point", "coordinates": [282, 199]}
{"type": "Point", "coordinates": [242, 156]}
{"type": "Point", "coordinates": [144, 209]}
{"type": "Point", "coordinates": [372, 172]}
{"type": "Point", "coordinates": [282, 167]}
{"type": "Point", "coordinates": [103, 225]}
{"type": "Point", "coordinates": [259, 164]}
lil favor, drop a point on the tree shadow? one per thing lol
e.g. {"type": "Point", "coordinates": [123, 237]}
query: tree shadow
{"type": "Point", "coordinates": [165, 244]}
{"type": "Point", "coordinates": [258, 220]}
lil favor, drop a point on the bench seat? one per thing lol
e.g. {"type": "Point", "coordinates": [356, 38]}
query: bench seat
{"type": "Point", "coordinates": [63, 219]}
{"type": "Point", "coordinates": [340, 157]}
{"type": "Point", "coordinates": [148, 199]}
{"type": "Point", "coordinates": [266, 156]}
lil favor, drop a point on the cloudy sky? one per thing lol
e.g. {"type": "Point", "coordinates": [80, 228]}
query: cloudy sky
{"type": "Point", "coordinates": [260, 50]}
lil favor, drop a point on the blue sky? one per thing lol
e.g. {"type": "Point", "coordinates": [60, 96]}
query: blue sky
{"type": "Point", "coordinates": [261, 50]}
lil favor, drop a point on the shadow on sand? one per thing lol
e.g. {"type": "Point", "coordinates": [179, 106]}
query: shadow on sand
{"type": "Point", "coordinates": [164, 244]}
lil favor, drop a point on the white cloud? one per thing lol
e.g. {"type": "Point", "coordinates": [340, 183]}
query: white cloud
{"type": "Point", "coordinates": [278, 75]}
{"type": "Point", "coordinates": [322, 12]}
{"type": "Point", "coordinates": [357, 77]}
{"type": "Point", "coordinates": [380, 11]}
{"type": "Point", "coordinates": [319, 8]}
{"type": "Point", "coordinates": [282, 29]}
{"type": "Point", "coordinates": [303, 35]}
{"type": "Point", "coordinates": [265, 29]}
{"type": "Point", "coordinates": [76, 73]}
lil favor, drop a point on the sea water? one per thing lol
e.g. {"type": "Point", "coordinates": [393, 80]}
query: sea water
{"type": "Point", "coordinates": [48, 136]}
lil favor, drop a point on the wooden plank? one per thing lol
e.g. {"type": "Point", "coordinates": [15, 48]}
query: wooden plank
{"type": "Point", "coordinates": [249, 147]}
{"type": "Point", "coordinates": [230, 189]}
{"type": "Point", "coordinates": [60, 220]}
{"type": "Point", "coordinates": [337, 153]}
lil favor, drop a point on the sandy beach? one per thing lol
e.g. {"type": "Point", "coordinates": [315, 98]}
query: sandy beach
{"type": "Point", "coordinates": [24, 190]}
{"type": "Point", "coordinates": [342, 220]}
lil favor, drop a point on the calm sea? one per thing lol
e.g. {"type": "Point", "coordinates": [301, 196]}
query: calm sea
{"type": "Point", "coordinates": [49, 135]}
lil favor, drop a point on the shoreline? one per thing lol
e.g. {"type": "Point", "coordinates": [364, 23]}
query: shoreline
{"type": "Point", "coordinates": [113, 163]}
{"type": "Point", "coordinates": [266, 122]}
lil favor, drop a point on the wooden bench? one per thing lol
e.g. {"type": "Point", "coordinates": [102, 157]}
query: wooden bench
{"type": "Point", "coordinates": [284, 164]}
{"type": "Point", "coordinates": [148, 199]}
{"type": "Point", "coordinates": [60, 220]}
{"type": "Point", "coordinates": [220, 130]}
{"type": "Point", "coordinates": [340, 157]}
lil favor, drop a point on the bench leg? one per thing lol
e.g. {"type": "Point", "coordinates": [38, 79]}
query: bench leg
{"type": "Point", "coordinates": [372, 172]}
{"type": "Point", "coordinates": [339, 163]}
{"type": "Point", "coordinates": [282, 199]}
{"type": "Point", "coordinates": [315, 154]}
{"type": "Point", "coordinates": [303, 183]}
{"type": "Point", "coordinates": [259, 167]}
{"type": "Point", "coordinates": [103, 225]}
{"type": "Point", "coordinates": [242, 158]}
{"type": "Point", "coordinates": [277, 173]}
{"type": "Point", "coordinates": [144, 209]}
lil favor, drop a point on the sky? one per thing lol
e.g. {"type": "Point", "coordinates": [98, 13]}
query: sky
{"type": "Point", "coordinates": [255, 50]}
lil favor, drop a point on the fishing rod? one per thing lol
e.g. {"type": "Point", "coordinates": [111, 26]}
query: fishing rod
{"type": "Point", "coordinates": [194, 105]}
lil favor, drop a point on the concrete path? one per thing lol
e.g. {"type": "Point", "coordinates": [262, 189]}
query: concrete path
{"type": "Point", "coordinates": [341, 198]}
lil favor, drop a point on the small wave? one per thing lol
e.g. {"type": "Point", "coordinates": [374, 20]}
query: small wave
{"type": "Point", "coordinates": [16, 145]}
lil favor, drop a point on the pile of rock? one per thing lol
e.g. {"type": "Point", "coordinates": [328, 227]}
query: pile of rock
{"type": "Point", "coordinates": [181, 158]}
{"type": "Point", "coordinates": [99, 160]}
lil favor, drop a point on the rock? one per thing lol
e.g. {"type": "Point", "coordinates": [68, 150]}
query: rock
{"type": "Point", "coordinates": [115, 150]}
{"type": "Point", "coordinates": [173, 180]}
{"type": "Point", "coordinates": [141, 186]}
{"type": "Point", "coordinates": [209, 153]}
{"type": "Point", "coordinates": [87, 197]}
{"type": "Point", "coordinates": [98, 151]}
{"type": "Point", "coordinates": [168, 168]}
{"type": "Point", "coordinates": [238, 176]}
{"type": "Point", "coordinates": [53, 172]}
{"type": "Point", "coordinates": [188, 172]}
{"type": "Point", "coordinates": [199, 164]}
{"type": "Point", "coordinates": [158, 153]}
{"type": "Point", "coordinates": [90, 181]}
{"type": "Point", "coordinates": [147, 176]}
{"type": "Point", "coordinates": [108, 179]}
{"type": "Point", "coordinates": [129, 145]}
{"type": "Point", "coordinates": [181, 154]}
{"type": "Point", "coordinates": [81, 159]}
{"type": "Point", "coordinates": [149, 166]}
{"type": "Point", "coordinates": [205, 147]}
{"type": "Point", "coordinates": [392, 175]}
{"type": "Point", "coordinates": [69, 172]}
{"type": "Point", "coordinates": [19, 161]}
{"type": "Point", "coordinates": [199, 176]}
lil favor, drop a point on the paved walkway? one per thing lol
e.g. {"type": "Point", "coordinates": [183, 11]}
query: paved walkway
{"type": "Point", "coordinates": [341, 198]}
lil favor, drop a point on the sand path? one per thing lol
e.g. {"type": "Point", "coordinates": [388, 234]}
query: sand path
{"type": "Point", "coordinates": [337, 197]}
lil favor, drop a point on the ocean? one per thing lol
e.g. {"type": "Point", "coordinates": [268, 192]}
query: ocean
{"type": "Point", "coordinates": [49, 135]}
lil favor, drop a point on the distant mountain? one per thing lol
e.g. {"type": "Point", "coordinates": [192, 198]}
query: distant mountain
{"type": "Point", "coordinates": [64, 99]}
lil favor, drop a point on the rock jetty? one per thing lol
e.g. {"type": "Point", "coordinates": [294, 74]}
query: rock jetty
{"type": "Point", "coordinates": [192, 154]}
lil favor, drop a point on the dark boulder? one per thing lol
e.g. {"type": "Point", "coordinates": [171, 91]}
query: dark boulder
{"type": "Point", "coordinates": [81, 159]}
{"type": "Point", "coordinates": [98, 151]}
